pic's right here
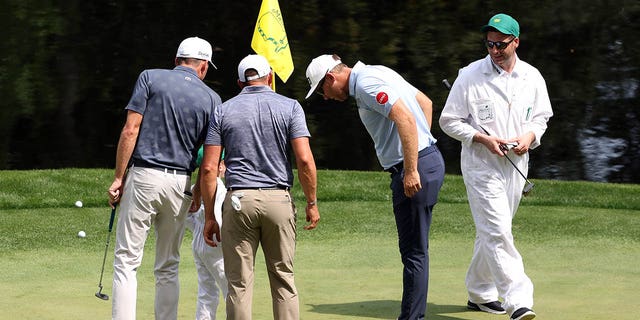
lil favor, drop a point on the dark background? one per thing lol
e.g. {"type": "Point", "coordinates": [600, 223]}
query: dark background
{"type": "Point", "coordinates": [68, 68]}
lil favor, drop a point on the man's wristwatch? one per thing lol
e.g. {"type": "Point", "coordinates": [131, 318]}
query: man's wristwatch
{"type": "Point", "coordinates": [312, 203]}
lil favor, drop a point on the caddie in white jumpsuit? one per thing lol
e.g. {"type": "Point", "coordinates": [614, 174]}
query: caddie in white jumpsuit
{"type": "Point", "coordinates": [508, 98]}
{"type": "Point", "coordinates": [208, 260]}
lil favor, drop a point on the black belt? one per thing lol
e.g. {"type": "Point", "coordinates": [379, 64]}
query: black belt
{"type": "Point", "coordinates": [259, 188]}
{"type": "Point", "coordinates": [165, 170]}
{"type": "Point", "coordinates": [400, 165]}
{"type": "Point", "coordinates": [395, 168]}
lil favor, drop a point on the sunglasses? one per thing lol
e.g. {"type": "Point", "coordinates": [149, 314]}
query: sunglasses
{"type": "Point", "coordinates": [500, 45]}
{"type": "Point", "coordinates": [319, 89]}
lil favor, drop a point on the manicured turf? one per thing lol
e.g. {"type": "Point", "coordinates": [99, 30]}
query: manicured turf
{"type": "Point", "coordinates": [580, 242]}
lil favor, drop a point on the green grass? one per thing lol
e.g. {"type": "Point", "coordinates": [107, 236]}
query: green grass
{"type": "Point", "coordinates": [580, 242]}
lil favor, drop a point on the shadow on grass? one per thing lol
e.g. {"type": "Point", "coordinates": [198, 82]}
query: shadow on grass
{"type": "Point", "coordinates": [384, 309]}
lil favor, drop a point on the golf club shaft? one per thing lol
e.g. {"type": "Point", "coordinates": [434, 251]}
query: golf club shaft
{"type": "Point", "coordinates": [514, 165]}
{"type": "Point", "coordinates": [506, 156]}
{"type": "Point", "coordinates": [106, 248]}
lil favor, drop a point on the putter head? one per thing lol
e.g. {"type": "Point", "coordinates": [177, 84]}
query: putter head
{"type": "Point", "coordinates": [527, 188]}
{"type": "Point", "coordinates": [102, 296]}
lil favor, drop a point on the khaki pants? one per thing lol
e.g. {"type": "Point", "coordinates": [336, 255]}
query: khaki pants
{"type": "Point", "coordinates": [150, 197]}
{"type": "Point", "coordinates": [267, 218]}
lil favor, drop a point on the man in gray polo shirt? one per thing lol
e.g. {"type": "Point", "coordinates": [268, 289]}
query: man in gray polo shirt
{"type": "Point", "coordinates": [167, 119]}
{"type": "Point", "coordinates": [257, 129]}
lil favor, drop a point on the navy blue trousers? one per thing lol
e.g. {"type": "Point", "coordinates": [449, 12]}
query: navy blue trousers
{"type": "Point", "coordinates": [413, 220]}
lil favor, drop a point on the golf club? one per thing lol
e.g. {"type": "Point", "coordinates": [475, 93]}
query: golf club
{"type": "Point", "coordinates": [529, 185]}
{"type": "Point", "coordinates": [99, 294]}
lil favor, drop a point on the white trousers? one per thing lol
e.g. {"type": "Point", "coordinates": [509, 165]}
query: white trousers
{"type": "Point", "coordinates": [208, 261]}
{"type": "Point", "coordinates": [211, 279]}
{"type": "Point", "coordinates": [496, 268]}
{"type": "Point", "coordinates": [150, 197]}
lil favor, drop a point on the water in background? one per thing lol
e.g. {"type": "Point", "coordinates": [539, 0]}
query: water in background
{"type": "Point", "coordinates": [68, 69]}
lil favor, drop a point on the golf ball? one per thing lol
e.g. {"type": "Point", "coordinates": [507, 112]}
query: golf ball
{"type": "Point", "coordinates": [79, 204]}
{"type": "Point", "coordinates": [81, 234]}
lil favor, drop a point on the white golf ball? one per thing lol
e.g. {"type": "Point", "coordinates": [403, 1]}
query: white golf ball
{"type": "Point", "coordinates": [81, 234]}
{"type": "Point", "coordinates": [79, 204]}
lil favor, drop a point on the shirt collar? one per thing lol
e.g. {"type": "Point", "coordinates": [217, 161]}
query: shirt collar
{"type": "Point", "coordinates": [492, 68]}
{"type": "Point", "coordinates": [352, 78]}
{"type": "Point", "coordinates": [255, 89]}
{"type": "Point", "coordinates": [186, 69]}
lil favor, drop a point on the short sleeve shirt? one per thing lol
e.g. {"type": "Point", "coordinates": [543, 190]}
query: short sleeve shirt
{"type": "Point", "coordinates": [176, 107]}
{"type": "Point", "coordinates": [376, 89]}
{"type": "Point", "coordinates": [255, 128]}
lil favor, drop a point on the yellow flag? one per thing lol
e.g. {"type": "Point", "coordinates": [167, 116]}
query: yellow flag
{"type": "Point", "coordinates": [270, 39]}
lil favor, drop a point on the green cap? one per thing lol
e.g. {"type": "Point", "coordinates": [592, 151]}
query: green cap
{"type": "Point", "coordinates": [201, 155]}
{"type": "Point", "coordinates": [503, 23]}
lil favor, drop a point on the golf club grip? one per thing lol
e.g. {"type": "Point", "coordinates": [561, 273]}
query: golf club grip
{"type": "Point", "coordinates": [113, 214]}
{"type": "Point", "coordinates": [446, 84]}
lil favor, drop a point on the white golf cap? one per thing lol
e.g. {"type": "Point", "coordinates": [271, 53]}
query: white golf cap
{"type": "Point", "coordinates": [197, 48]}
{"type": "Point", "coordinates": [318, 68]}
{"type": "Point", "coordinates": [255, 62]}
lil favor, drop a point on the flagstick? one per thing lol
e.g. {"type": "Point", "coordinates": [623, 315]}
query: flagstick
{"type": "Point", "coordinates": [273, 82]}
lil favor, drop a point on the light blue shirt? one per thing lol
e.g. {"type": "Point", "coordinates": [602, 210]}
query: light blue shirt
{"type": "Point", "coordinates": [376, 89]}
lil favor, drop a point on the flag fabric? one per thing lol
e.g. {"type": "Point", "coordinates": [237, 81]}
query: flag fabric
{"type": "Point", "coordinates": [270, 39]}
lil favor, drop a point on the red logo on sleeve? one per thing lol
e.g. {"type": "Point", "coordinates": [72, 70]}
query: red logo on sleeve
{"type": "Point", "coordinates": [382, 98]}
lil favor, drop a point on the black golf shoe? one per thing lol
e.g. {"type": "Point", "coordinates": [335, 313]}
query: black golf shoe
{"type": "Point", "coordinates": [494, 307]}
{"type": "Point", "coordinates": [523, 314]}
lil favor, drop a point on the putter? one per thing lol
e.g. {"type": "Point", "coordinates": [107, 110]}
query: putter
{"type": "Point", "coordinates": [529, 185]}
{"type": "Point", "coordinates": [99, 294]}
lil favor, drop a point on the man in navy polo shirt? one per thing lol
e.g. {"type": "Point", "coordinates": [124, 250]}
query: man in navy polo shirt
{"type": "Point", "coordinates": [167, 120]}
{"type": "Point", "coordinates": [398, 118]}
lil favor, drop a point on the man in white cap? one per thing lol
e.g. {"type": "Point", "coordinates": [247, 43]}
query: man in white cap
{"type": "Point", "coordinates": [167, 119]}
{"type": "Point", "coordinates": [258, 129]}
{"type": "Point", "coordinates": [398, 118]}
{"type": "Point", "coordinates": [495, 102]}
